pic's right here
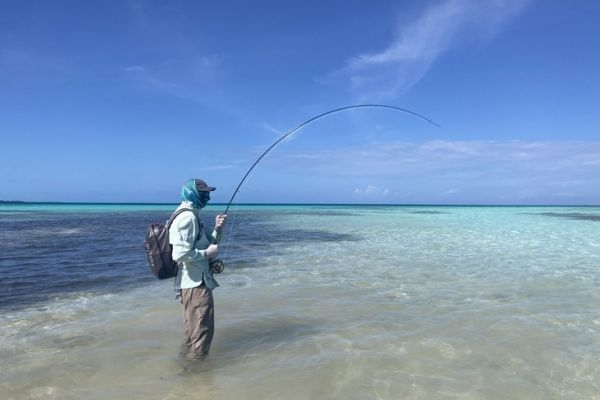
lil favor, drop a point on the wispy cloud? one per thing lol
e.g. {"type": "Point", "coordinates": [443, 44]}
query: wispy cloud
{"type": "Point", "coordinates": [180, 67]}
{"type": "Point", "coordinates": [277, 133]}
{"type": "Point", "coordinates": [371, 191]}
{"type": "Point", "coordinates": [400, 158]}
{"type": "Point", "coordinates": [449, 192]}
{"type": "Point", "coordinates": [187, 77]}
{"type": "Point", "coordinates": [417, 46]}
{"type": "Point", "coordinates": [220, 167]}
{"type": "Point", "coordinates": [519, 170]}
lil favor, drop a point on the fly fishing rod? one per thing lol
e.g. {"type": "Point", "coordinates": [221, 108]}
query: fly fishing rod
{"type": "Point", "coordinates": [308, 121]}
{"type": "Point", "coordinates": [218, 265]}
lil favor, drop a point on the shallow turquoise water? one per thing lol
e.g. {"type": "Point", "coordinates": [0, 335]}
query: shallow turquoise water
{"type": "Point", "coordinates": [335, 302]}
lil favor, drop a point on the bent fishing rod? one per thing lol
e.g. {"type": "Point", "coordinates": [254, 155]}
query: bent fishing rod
{"type": "Point", "coordinates": [218, 265]}
{"type": "Point", "coordinates": [308, 121]}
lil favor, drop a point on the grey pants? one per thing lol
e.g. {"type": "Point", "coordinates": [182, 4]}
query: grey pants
{"type": "Point", "coordinates": [198, 321]}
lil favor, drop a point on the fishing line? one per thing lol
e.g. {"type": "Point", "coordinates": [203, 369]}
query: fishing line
{"type": "Point", "coordinates": [230, 234]}
{"type": "Point", "coordinates": [308, 121]}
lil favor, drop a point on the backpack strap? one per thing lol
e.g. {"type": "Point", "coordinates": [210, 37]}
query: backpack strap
{"type": "Point", "coordinates": [176, 213]}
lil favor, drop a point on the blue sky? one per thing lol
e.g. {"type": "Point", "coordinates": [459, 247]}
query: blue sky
{"type": "Point", "coordinates": [124, 100]}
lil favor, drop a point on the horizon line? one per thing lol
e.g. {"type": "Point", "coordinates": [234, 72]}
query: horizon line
{"type": "Point", "coordinates": [19, 202]}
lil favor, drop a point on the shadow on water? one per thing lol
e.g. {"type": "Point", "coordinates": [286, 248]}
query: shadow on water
{"type": "Point", "coordinates": [574, 216]}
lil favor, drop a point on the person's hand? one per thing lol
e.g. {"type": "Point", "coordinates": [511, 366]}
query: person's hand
{"type": "Point", "coordinates": [211, 251]}
{"type": "Point", "coordinates": [220, 221]}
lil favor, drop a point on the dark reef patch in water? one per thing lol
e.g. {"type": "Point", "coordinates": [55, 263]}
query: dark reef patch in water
{"type": "Point", "coordinates": [429, 212]}
{"type": "Point", "coordinates": [320, 213]}
{"type": "Point", "coordinates": [309, 236]}
{"type": "Point", "coordinates": [269, 235]}
{"type": "Point", "coordinates": [575, 216]}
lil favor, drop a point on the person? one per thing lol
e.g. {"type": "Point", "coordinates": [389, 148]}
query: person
{"type": "Point", "coordinates": [193, 249]}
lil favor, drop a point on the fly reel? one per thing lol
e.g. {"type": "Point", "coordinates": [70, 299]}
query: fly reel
{"type": "Point", "coordinates": [217, 266]}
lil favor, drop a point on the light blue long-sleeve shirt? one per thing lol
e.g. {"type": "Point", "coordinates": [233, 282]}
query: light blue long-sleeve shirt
{"type": "Point", "coordinates": [189, 241]}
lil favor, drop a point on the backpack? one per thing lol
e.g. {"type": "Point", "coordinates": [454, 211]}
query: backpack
{"type": "Point", "coordinates": [159, 250]}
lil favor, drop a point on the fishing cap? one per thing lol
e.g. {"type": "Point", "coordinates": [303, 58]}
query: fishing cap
{"type": "Point", "coordinates": [201, 186]}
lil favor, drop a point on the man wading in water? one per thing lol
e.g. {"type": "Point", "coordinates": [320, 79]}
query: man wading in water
{"type": "Point", "coordinates": [193, 251]}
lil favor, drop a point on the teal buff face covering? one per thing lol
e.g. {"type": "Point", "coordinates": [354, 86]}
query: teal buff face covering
{"type": "Point", "coordinates": [190, 193]}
